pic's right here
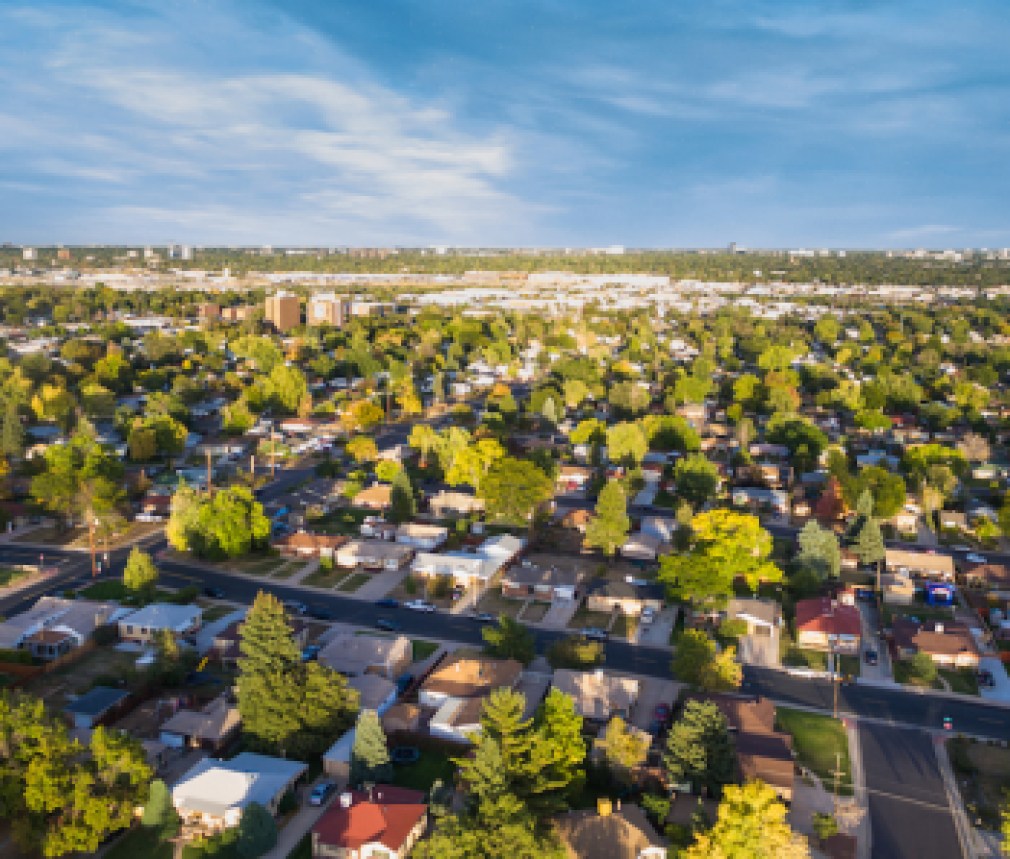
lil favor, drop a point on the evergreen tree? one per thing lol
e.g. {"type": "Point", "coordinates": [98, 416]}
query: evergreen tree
{"type": "Point", "coordinates": [819, 551]}
{"type": "Point", "coordinates": [870, 543]}
{"type": "Point", "coordinates": [864, 504]}
{"type": "Point", "coordinates": [140, 575]}
{"type": "Point", "coordinates": [257, 832]}
{"type": "Point", "coordinates": [699, 748]}
{"type": "Point", "coordinates": [370, 754]}
{"type": "Point", "coordinates": [402, 505]}
{"type": "Point", "coordinates": [557, 755]}
{"type": "Point", "coordinates": [509, 639]}
{"type": "Point", "coordinates": [624, 748]}
{"type": "Point", "coordinates": [608, 529]}
{"type": "Point", "coordinates": [159, 812]}
{"type": "Point", "coordinates": [11, 433]}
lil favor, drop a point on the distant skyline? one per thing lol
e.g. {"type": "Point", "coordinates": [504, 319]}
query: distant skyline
{"type": "Point", "coordinates": [771, 123]}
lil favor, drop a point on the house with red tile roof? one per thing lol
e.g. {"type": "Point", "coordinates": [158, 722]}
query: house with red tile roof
{"type": "Point", "coordinates": [823, 623]}
{"type": "Point", "coordinates": [384, 821]}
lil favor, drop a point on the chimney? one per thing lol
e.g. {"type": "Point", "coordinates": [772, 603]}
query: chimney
{"type": "Point", "coordinates": [938, 627]}
{"type": "Point", "coordinates": [603, 806]}
{"type": "Point", "coordinates": [346, 799]}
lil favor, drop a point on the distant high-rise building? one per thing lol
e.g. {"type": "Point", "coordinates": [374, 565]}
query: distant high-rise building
{"type": "Point", "coordinates": [28, 254]}
{"type": "Point", "coordinates": [326, 308]}
{"type": "Point", "coordinates": [63, 254]}
{"type": "Point", "coordinates": [284, 311]}
{"type": "Point", "coordinates": [148, 252]}
{"type": "Point", "coordinates": [185, 252]}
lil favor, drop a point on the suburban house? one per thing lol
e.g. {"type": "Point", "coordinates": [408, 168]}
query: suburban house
{"type": "Point", "coordinates": [949, 645]}
{"type": "Point", "coordinates": [376, 497]}
{"type": "Point", "coordinates": [418, 535]}
{"type": "Point", "coordinates": [449, 504]}
{"type": "Point", "coordinates": [354, 655]}
{"type": "Point", "coordinates": [213, 794]}
{"type": "Point", "coordinates": [762, 616]}
{"type": "Point", "coordinates": [598, 695]}
{"type": "Point", "coordinates": [898, 589]}
{"type": "Point", "coordinates": [573, 478]}
{"type": "Point", "coordinates": [993, 578]}
{"type": "Point", "coordinates": [759, 498]}
{"type": "Point", "coordinates": [464, 568]}
{"type": "Point", "coordinates": [823, 623]}
{"type": "Point", "coordinates": [96, 706]}
{"type": "Point", "coordinates": [55, 626]}
{"type": "Point", "coordinates": [375, 692]}
{"type": "Point", "coordinates": [920, 564]}
{"type": "Point", "coordinates": [142, 625]}
{"type": "Point", "coordinates": [628, 597]}
{"type": "Point", "coordinates": [456, 690]}
{"type": "Point", "coordinates": [303, 544]}
{"type": "Point", "coordinates": [608, 833]}
{"type": "Point", "coordinates": [545, 584]}
{"type": "Point", "coordinates": [663, 527]}
{"type": "Point", "coordinates": [377, 528]}
{"type": "Point", "coordinates": [642, 547]}
{"type": "Point", "coordinates": [383, 823]}
{"type": "Point", "coordinates": [210, 728]}
{"type": "Point", "coordinates": [373, 554]}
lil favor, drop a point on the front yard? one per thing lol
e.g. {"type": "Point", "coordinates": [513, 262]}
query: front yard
{"type": "Point", "coordinates": [820, 743]}
{"type": "Point", "coordinates": [983, 777]}
{"type": "Point", "coordinates": [431, 767]}
{"type": "Point", "coordinates": [494, 603]}
{"type": "Point", "coordinates": [325, 578]}
{"type": "Point", "coordinates": [353, 582]}
{"type": "Point", "coordinates": [584, 617]}
{"type": "Point", "coordinates": [8, 576]}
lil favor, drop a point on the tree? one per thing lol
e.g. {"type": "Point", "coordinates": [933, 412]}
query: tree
{"type": "Point", "coordinates": [228, 524]}
{"type": "Point", "coordinates": [362, 448]}
{"type": "Point", "coordinates": [699, 749]}
{"type": "Point", "coordinates": [402, 505]}
{"type": "Point", "coordinates": [1004, 828]}
{"type": "Point", "coordinates": [804, 440]}
{"type": "Point", "coordinates": [831, 506]}
{"type": "Point", "coordinates": [81, 478]}
{"type": "Point", "coordinates": [922, 669]}
{"type": "Point", "coordinates": [974, 448]}
{"type": "Point", "coordinates": [575, 651]}
{"type": "Point", "coordinates": [509, 639]}
{"type": "Point", "coordinates": [626, 443]}
{"type": "Point", "coordinates": [257, 832]}
{"type": "Point", "coordinates": [423, 439]}
{"type": "Point", "coordinates": [159, 812]}
{"type": "Point", "coordinates": [608, 529]}
{"type": "Point", "coordinates": [370, 755]}
{"type": "Point", "coordinates": [697, 479]}
{"type": "Point", "coordinates": [140, 575]}
{"type": "Point", "coordinates": [514, 489]}
{"type": "Point", "coordinates": [11, 433]}
{"type": "Point", "coordinates": [864, 504]}
{"type": "Point", "coordinates": [887, 490]}
{"type": "Point", "coordinates": [285, 703]}
{"type": "Point", "coordinates": [751, 823]}
{"type": "Point", "coordinates": [870, 543]}
{"type": "Point", "coordinates": [697, 662]}
{"type": "Point", "coordinates": [726, 545]}
{"type": "Point", "coordinates": [557, 755]}
{"type": "Point", "coordinates": [361, 416]}
{"type": "Point", "coordinates": [624, 748]}
{"type": "Point", "coordinates": [824, 826]}
{"type": "Point", "coordinates": [819, 551]}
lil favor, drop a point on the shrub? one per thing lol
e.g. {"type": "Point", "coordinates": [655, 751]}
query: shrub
{"type": "Point", "coordinates": [657, 807]}
{"type": "Point", "coordinates": [410, 585]}
{"type": "Point", "coordinates": [824, 826]}
{"type": "Point", "coordinates": [184, 596]}
{"type": "Point", "coordinates": [15, 657]}
{"type": "Point", "coordinates": [922, 670]}
{"type": "Point", "coordinates": [575, 651]}
{"type": "Point", "coordinates": [105, 634]}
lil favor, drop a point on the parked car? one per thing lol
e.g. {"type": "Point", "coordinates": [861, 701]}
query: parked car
{"type": "Point", "coordinates": [870, 657]}
{"type": "Point", "coordinates": [311, 652]}
{"type": "Point", "coordinates": [485, 617]}
{"type": "Point", "coordinates": [403, 683]}
{"type": "Point", "coordinates": [387, 624]}
{"type": "Point", "coordinates": [319, 613]}
{"type": "Point", "coordinates": [295, 607]}
{"type": "Point", "coordinates": [213, 593]}
{"type": "Point", "coordinates": [985, 678]}
{"type": "Point", "coordinates": [647, 616]}
{"type": "Point", "coordinates": [405, 754]}
{"type": "Point", "coordinates": [419, 605]}
{"type": "Point", "coordinates": [662, 713]}
{"type": "Point", "coordinates": [321, 791]}
{"type": "Point", "coordinates": [594, 633]}
{"type": "Point", "coordinates": [387, 602]}
{"type": "Point", "coordinates": [975, 558]}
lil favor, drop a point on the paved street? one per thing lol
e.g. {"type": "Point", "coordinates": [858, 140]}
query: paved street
{"type": "Point", "coordinates": [909, 814]}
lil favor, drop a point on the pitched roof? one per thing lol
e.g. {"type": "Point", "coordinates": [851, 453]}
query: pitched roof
{"type": "Point", "coordinates": [467, 676]}
{"type": "Point", "coordinates": [216, 787]}
{"type": "Point", "coordinates": [597, 693]}
{"type": "Point", "coordinates": [306, 540]}
{"type": "Point", "coordinates": [355, 654]}
{"type": "Point", "coordinates": [822, 614]}
{"type": "Point", "coordinates": [387, 817]}
{"type": "Point", "coordinates": [620, 835]}
{"type": "Point", "coordinates": [97, 701]}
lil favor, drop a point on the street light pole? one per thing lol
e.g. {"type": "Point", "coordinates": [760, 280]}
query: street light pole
{"type": "Point", "coordinates": [91, 544]}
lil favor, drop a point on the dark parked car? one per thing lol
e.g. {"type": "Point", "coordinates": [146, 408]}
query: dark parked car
{"type": "Point", "coordinates": [387, 624]}
{"type": "Point", "coordinates": [403, 683]}
{"type": "Point", "coordinates": [662, 713]}
{"type": "Point", "coordinates": [594, 633]}
{"type": "Point", "coordinates": [387, 602]}
{"type": "Point", "coordinates": [213, 593]}
{"type": "Point", "coordinates": [405, 754]}
{"type": "Point", "coordinates": [319, 613]}
{"type": "Point", "coordinates": [871, 657]}
{"type": "Point", "coordinates": [485, 617]}
{"type": "Point", "coordinates": [310, 652]}
{"type": "Point", "coordinates": [985, 678]}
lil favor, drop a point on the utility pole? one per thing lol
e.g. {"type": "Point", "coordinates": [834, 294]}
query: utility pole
{"type": "Point", "coordinates": [210, 488]}
{"type": "Point", "coordinates": [834, 677]}
{"type": "Point", "coordinates": [837, 774]}
{"type": "Point", "coordinates": [91, 544]}
{"type": "Point", "coordinates": [273, 453]}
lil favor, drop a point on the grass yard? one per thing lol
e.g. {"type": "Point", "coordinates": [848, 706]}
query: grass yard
{"type": "Point", "coordinates": [494, 603]}
{"type": "Point", "coordinates": [51, 536]}
{"type": "Point", "coordinates": [257, 565]}
{"type": "Point", "coordinates": [626, 626]}
{"type": "Point", "coordinates": [303, 850]}
{"type": "Point", "coordinates": [288, 570]}
{"type": "Point", "coordinates": [102, 666]}
{"type": "Point", "coordinates": [344, 521]}
{"type": "Point", "coordinates": [9, 576]}
{"type": "Point", "coordinates": [983, 777]}
{"type": "Point", "coordinates": [585, 617]}
{"type": "Point", "coordinates": [798, 658]}
{"type": "Point", "coordinates": [325, 578]}
{"type": "Point", "coordinates": [964, 680]}
{"type": "Point", "coordinates": [431, 766]}
{"type": "Point", "coordinates": [216, 612]}
{"type": "Point", "coordinates": [817, 741]}
{"type": "Point", "coordinates": [110, 589]}
{"type": "Point", "coordinates": [848, 665]}
{"type": "Point", "coordinates": [421, 649]}
{"type": "Point", "coordinates": [353, 582]}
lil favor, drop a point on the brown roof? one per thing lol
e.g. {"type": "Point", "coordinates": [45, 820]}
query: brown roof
{"type": "Point", "coordinates": [49, 636]}
{"type": "Point", "coordinates": [620, 835]}
{"type": "Point", "coordinates": [840, 846]}
{"type": "Point", "coordinates": [747, 714]}
{"type": "Point", "coordinates": [465, 676]}
{"type": "Point", "coordinates": [377, 496]}
{"type": "Point", "coordinates": [821, 614]}
{"type": "Point", "coordinates": [991, 574]}
{"type": "Point", "coordinates": [768, 757]}
{"type": "Point", "coordinates": [401, 717]}
{"type": "Point", "coordinates": [305, 540]}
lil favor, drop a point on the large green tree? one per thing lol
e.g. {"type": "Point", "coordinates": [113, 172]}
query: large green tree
{"type": "Point", "coordinates": [699, 749]}
{"type": "Point", "coordinates": [514, 489]}
{"type": "Point", "coordinates": [140, 575]}
{"type": "Point", "coordinates": [697, 479]}
{"type": "Point", "coordinates": [608, 529]}
{"type": "Point", "coordinates": [509, 639]}
{"type": "Point", "coordinates": [370, 754]}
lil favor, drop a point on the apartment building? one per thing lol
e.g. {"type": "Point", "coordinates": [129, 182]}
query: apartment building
{"type": "Point", "coordinates": [284, 311]}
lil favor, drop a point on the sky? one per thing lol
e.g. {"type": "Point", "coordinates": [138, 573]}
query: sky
{"type": "Point", "coordinates": [770, 123]}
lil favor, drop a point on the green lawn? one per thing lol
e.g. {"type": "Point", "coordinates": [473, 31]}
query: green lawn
{"type": "Point", "coordinates": [216, 612]}
{"type": "Point", "coordinates": [625, 626]}
{"type": "Point", "coordinates": [585, 617]}
{"type": "Point", "coordinates": [288, 570]}
{"type": "Point", "coordinates": [421, 649]}
{"type": "Point", "coordinates": [353, 582]}
{"type": "Point", "coordinates": [257, 565]}
{"type": "Point", "coordinates": [964, 681]}
{"type": "Point", "coordinates": [8, 576]}
{"type": "Point", "coordinates": [432, 765]}
{"type": "Point", "coordinates": [535, 612]}
{"type": "Point", "coordinates": [817, 740]}
{"type": "Point", "coordinates": [140, 841]}
{"type": "Point", "coordinates": [303, 850]}
{"type": "Point", "coordinates": [325, 578]}
{"type": "Point", "coordinates": [347, 521]}
{"type": "Point", "coordinates": [793, 655]}
{"type": "Point", "coordinates": [848, 665]}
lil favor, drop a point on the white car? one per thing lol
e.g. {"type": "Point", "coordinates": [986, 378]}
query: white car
{"type": "Point", "coordinates": [974, 558]}
{"type": "Point", "coordinates": [648, 615]}
{"type": "Point", "coordinates": [419, 605]}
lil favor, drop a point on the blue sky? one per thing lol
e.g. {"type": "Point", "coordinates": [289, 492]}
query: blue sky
{"type": "Point", "coordinates": [529, 122]}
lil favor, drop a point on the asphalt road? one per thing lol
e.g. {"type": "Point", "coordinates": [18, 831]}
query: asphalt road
{"type": "Point", "coordinates": [909, 813]}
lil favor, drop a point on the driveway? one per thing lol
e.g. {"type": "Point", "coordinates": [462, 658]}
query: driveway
{"type": "Point", "coordinates": [882, 671]}
{"type": "Point", "coordinates": [657, 633]}
{"type": "Point", "coordinates": [380, 584]}
{"type": "Point", "coordinates": [760, 650]}
{"type": "Point", "coordinates": [1001, 691]}
{"type": "Point", "coordinates": [559, 614]}
{"type": "Point", "coordinates": [652, 691]}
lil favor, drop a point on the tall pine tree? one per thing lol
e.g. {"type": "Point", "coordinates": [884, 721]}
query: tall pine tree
{"type": "Point", "coordinates": [370, 754]}
{"type": "Point", "coordinates": [608, 529]}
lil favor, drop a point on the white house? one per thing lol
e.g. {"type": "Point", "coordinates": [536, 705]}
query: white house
{"type": "Point", "coordinates": [377, 554]}
{"type": "Point", "coordinates": [422, 536]}
{"type": "Point", "coordinates": [143, 624]}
